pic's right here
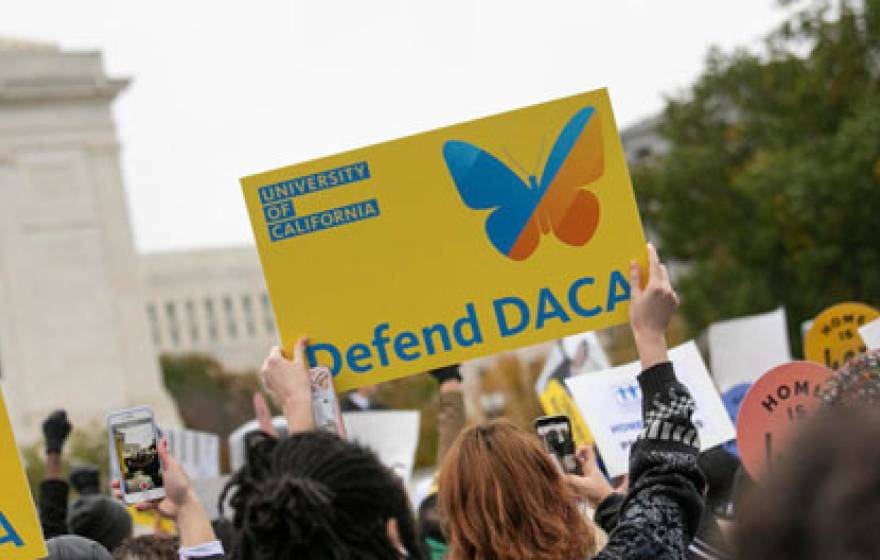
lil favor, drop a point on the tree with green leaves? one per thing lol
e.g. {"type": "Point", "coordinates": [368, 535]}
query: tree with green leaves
{"type": "Point", "coordinates": [770, 189]}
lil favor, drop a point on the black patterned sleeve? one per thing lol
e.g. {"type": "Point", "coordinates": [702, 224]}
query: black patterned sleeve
{"type": "Point", "coordinates": [660, 515]}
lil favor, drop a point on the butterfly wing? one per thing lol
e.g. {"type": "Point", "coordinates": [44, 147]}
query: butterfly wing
{"type": "Point", "coordinates": [577, 159]}
{"type": "Point", "coordinates": [483, 182]}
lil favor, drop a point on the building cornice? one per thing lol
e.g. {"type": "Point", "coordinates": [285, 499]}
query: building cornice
{"type": "Point", "coordinates": [59, 91]}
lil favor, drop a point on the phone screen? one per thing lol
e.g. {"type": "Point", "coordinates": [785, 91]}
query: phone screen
{"type": "Point", "coordinates": [323, 399]}
{"type": "Point", "coordinates": [137, 454]}
{"type": "Point", "coordinates": [555, 432]}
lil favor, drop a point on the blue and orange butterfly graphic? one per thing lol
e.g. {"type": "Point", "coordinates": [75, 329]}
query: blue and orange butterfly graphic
{"type": "Point", "coordinates": [522, 212]}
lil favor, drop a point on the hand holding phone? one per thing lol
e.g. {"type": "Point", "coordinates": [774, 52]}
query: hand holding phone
{"type": "Point", "coordinates": [591, 485]}
{"type": "Point", "coordinates": [555, 432]}
{"type": "Point", "coordinates": [134, 454]}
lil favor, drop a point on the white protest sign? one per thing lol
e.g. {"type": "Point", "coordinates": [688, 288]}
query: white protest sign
{"type": "Point", "coordinates": [611, 403]}
{"type": "Point", "coordinates": [572, 355]}
{"type": "Point", "coordinates": [236, 439]}
{"type": "Point", "coordinates": [392, 434]}
{"type": "Point", "coordinates": [871, 334]}
{"type": "Point", "coordinates": [198, 452]}
{"type": "Point", "coordinates": [743, 349]}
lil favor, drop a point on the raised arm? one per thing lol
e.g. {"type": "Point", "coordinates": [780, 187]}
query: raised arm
{"type": "Point", "coordinates": [659, 516]}
{"type": "Point", "coordinates": [54, 490]}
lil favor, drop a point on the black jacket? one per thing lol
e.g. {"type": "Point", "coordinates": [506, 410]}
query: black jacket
{"type": "Point", "coordinates": [661, 513]}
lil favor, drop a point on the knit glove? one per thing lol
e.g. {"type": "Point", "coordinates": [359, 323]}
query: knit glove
{"type": "Point", "coordinates": [56, 428]}
{"type": "Point", "coordinates": [444, 374]}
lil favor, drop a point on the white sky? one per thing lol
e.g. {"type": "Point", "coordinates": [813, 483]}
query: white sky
{"type": "Point", "coordinates": [226, 88]}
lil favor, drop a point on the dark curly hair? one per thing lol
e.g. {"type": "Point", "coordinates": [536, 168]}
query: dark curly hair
{"type": "Point", "coordinates": [313, 495]}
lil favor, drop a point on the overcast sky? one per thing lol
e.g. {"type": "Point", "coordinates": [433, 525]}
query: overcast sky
{"type": "Point", "coordinates": [226, 88]}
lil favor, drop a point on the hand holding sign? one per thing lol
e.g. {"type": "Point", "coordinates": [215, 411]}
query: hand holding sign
{"type": "Point", "coordinates": [289, 384]}
{"type": "Point", "coordinates": [651, 309]}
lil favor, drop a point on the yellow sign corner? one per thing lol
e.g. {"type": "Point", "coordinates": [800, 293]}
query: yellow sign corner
{"type": "Point", "coordinates": [21, 537]}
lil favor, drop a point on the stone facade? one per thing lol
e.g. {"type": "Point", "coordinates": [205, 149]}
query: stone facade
{"type": "Point", "coordinates": [210, 301]}
{"type": "Point", "coordinates": [73, 332]}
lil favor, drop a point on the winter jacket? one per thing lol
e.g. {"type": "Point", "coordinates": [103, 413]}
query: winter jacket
{"type": "Point", "coordinates": [660, 515]}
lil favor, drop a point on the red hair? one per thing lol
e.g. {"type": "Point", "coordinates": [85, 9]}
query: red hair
{"type": "Point", "coordinates": [502, 496]}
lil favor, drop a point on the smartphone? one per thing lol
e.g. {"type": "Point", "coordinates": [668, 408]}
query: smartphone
{"type": "Point", "coordinates": [323, 399]}
{"type": "Point", "coordinates": [555, 432]}
{"type": "Point", "coordinates": [134, 454]}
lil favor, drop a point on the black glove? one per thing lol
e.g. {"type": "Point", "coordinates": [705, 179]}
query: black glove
{"type": "Point", "coordinates": [56, 428]}
{"type": "Point", "coordinates": [444, 374]}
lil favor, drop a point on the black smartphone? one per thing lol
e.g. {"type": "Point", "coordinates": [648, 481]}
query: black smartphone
{"type": "Point", "coordinates": [555, 432]}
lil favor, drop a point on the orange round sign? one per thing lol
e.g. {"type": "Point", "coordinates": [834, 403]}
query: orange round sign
{"type": "Point", "coordinates": [773, 408]}
{"type": "Point", "coordinates": [834, 336]}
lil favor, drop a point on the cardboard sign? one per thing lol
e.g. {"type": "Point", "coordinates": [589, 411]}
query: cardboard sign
{"type": "Point", "coordinates": [198, 452]}
{"type": "Point", "coordinates": [611, 403]}
{"type": "Point", "coordinates": [772, 409]}
{"type": "Point", "coordinates": [21, 537]}
{"type": "Point", "coordinates": [572, 355]}
{"type": "Point", "coordinates": [834, 336]}
{"type": "Point", "coordinates": [742, 349]}
{"type": "Point", "coordinates": [392, 434]}
{"type": "Point", "coordinates": [871, 334]}
{"type": "Point", "coordinates": [452, 244]}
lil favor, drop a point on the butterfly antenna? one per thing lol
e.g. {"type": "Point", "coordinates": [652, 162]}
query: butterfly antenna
{"type": "Point", "coordinates": [540, 155]}
{"type": "Point", "coordinates": [516, 163]}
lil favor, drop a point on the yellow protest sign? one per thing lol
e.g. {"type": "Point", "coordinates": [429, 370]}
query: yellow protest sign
{"type": "Point", "coordinates": [21, 537]}
{"type": "Point", "coordinates": [834, 335]}
{"type": "Point", "coordinates": [555, 400]}
{"type": "Point", "coordinates": [451, 244]}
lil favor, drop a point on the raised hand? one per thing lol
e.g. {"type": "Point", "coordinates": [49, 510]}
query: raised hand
{"type": "Point", "coordinates": [289, 384]}
{"type": "Point", "coordinates": [651, 309]}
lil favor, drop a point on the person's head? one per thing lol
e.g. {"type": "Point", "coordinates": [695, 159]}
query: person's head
{"type": "Point", "coordinates": [314, 495]}
{"type": "Point", "coordinates": [502, 496]}
{"type": "Point", "coordinates": [148, 547]}
{"type": "Point", "coordinates": [100, 519]}
{"type": "Point", "coordinates": [74, 547]}
{"type": "Point", "coordinates": [856, 382]}
{"type": "Point", "coordinates": [720, 469]}
{"type": "Point", "coordinates": [85, 479]}
{"type": "Point", "coordinates": [822, 499]}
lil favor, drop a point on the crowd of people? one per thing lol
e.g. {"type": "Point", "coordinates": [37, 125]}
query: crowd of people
{"type": "Point", "coordinates": [498, 495]}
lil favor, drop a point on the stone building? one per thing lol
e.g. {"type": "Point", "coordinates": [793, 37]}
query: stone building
{"type": "Point", "coordinates": [73, 331]}
{"type": "Point", "coordinates": [210, 301]}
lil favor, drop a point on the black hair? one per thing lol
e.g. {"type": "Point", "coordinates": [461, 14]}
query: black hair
{"type": "Point", "coordinates": [313, 495]}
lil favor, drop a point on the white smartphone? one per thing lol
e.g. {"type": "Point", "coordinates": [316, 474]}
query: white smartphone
{"type": "Point", "coordinates": [323, 399]}
{"type": "Point", "coordinates": [134, 454]}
